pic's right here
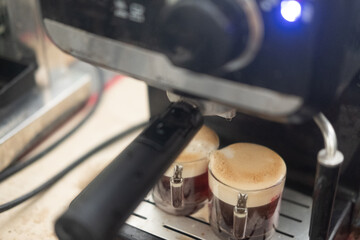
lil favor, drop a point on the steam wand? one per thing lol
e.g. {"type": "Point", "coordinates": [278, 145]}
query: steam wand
{"type": "Point", "coordinates": [328, 133]}
{"type": "Point", "coordinates": [329, 162]}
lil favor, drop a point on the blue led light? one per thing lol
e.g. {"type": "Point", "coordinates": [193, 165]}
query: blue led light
{"type": "Point", "coordinates": [290, 10]}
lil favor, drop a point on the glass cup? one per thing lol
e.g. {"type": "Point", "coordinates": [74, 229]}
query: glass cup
{"type": "Point", "coordinates": [184, 189]}
{"type": "Point", "coordinates": [246, 182]}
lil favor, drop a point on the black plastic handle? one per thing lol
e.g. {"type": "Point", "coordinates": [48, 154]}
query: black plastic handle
{"type": "Point", "coordinates": [323, 200]}
{"type": "Point", "coordinates": [105, 204]}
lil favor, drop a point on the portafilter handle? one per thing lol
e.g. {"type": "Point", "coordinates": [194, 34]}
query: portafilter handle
{"type": "Point", "coordinates": [329, 161]}
{"type": "Point", "coordinates": [105, 204]}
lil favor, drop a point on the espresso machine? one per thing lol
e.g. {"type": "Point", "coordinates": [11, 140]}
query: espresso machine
{"type": "Point", "coordinates": [284, 71]}
{"type": "Point", "coordinates": [40, 87]}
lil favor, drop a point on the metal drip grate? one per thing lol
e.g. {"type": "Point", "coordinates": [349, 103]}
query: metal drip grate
{"type": "Point", "coordinates": [294, 220]}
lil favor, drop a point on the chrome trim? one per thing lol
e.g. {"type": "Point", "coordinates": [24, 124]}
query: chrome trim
{"type": "Point", "coordinates": [328, 133]}
{"type": "Point", "coordinates": [330, 161]}
{"type": "Point", "coordinates": [240, 217]}
{"type": "Point", "coordinates": [329, 156]}
{"type": "Point", "coordinates": [156, 70]}
{"type": "Point", "coordinates": [177, 187]}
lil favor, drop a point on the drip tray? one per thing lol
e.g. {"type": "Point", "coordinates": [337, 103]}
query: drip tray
{"type": "Point", "coordinates": [294, 221]}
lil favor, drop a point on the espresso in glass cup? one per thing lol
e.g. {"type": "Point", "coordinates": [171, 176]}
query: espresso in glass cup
{"type": "Point", "coordinates": [184, 189]}
{"type": "Point", "coordinates": [246, 182]}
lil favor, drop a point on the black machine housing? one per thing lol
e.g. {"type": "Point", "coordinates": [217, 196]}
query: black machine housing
{"type": "Point", "coordinates": [243, 54]}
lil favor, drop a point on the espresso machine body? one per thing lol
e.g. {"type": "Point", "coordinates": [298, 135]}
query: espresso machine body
{"type": "Point", "coordinates": [280, 60]}
{"type": "Point", "coordinates": [270, 58]}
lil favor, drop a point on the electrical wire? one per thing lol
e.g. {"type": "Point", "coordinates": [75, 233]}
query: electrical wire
{"type": "Point", "coordinates": [12, 169]}
{"type": "Point", "coordinates": [6, 206]}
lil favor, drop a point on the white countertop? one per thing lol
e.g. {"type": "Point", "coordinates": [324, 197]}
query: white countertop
{"type": "Point", "coordinates": [124, 104]}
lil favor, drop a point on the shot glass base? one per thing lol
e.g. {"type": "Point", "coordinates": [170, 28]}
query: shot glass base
{"type": "Point", "coordinates": [186, 209]}
{"type": "Point", "coordinates": [226, 235]}
{"type": "Point", "coordinates": [260, 224]}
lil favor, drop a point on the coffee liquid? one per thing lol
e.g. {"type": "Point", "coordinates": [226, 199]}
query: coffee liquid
{"type": "Point", "coordinates": [194, 162]}
{"type": "Point", "coordinates": [251, 170]}
{"type": "Point", "coordinates": [260, 223]}
{"type": "Point", "coordinates": [196, 192]}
